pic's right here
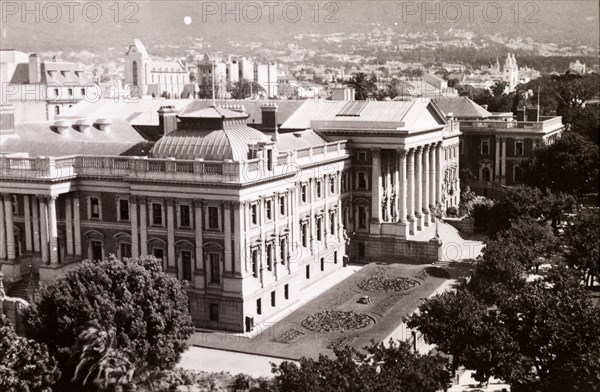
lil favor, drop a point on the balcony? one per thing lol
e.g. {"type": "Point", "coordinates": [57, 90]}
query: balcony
{"type": "Point", "coordinates": [168, 170]}
{"type": "Point", "coordinates": [544, 126]}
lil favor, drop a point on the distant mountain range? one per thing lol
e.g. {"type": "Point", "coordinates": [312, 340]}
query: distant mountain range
{"type": "Point", "coordinates": [162, 23]}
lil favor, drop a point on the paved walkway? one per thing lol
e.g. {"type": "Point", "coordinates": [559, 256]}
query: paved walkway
{"type": "Point", "coordinates": [211, 360]}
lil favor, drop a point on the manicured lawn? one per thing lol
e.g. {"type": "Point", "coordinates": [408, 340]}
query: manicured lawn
{"type": "Point", "coordinates": [341, 311]}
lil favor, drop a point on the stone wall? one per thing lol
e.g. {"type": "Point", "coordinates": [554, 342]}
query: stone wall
{"type": "Point", "coordinates": [11, 308]}
{"type": "Point", "coordinates": [465, 225]}
{"type": "Point", "coordinates": [395, 250]}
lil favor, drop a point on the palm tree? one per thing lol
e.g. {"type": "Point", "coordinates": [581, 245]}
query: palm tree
{"type": "Point", "coordinates": [363, 85]}
{"type": "Point", "coordinates": [100, 366]}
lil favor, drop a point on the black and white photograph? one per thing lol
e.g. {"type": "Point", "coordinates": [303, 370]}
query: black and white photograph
{"type": "Point", "coordinates": [299, 196]}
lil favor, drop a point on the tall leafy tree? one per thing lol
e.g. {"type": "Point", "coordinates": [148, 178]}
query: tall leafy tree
{"type": "Point", "coordinates": [243, 89]}
{"type": "Point", "coordinates": [571, 165]}
{"type": "Point", "coordinates": [382, 368]}
{"type": "Point", "coordinates": [25, 365]}
{"type": "Point", "coordinates": [147, 309]}
{"type": "Point", "coordinates": [583, 245]}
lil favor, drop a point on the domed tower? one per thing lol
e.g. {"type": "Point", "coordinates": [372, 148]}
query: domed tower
{"type": "Point", "coordinates": [511, 71]}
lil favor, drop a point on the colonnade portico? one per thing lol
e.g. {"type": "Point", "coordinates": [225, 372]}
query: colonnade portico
{"type": "Point", "coordinates": [406, 187]}
{"type": "Point", "coordinates": [39, 238]}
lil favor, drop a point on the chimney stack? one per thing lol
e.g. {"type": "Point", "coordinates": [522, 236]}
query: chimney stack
{"type": "Point", "coordinates": [167, 119]}
{"type": "Point", "coordinates": [35, 75]}
{"type": "Point", "coordinates": [520, 114]}
{"type": "Point", "coordinates": [269, 119]}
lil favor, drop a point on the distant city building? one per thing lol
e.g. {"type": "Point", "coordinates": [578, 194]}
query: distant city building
{"type": "Point", "coordinates": [427, 85]}
{"type": "Point", "coordinates": [510, 74]}
{"type": "Point", "coordinates": [454, 67]}
{"type": "Point", "coordinates": [147, 77]}
{"type": "Point", "coordinates": [577, 67]}
{"type": "Point", "coordinates": [42, 89]}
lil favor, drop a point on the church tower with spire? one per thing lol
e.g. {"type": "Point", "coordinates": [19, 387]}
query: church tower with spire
{"type": "Point", "coordinates": [511, 71]}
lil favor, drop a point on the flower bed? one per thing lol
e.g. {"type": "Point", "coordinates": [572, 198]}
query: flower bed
{"type": "Point", "coordinates": [387, 284]}
{"type": "Point", "coordinates": [336, 320]}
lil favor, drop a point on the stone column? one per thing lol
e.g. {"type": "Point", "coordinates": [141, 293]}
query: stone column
{"type": "Point", "coordinates": [376, 186]}
{"type": "Point", "coordinates": [503, 173]}
{"type": "Point", "coordinates": [432, 177]}
{"type": "Point", "coordinates": [396, 165]}
{"type": "Point", "coordinates": [497, 160]}
{"type": "Point", "coordinates": [69, 224]}
{"type": "Point", "coordinates": [133, 218]}
{"type": "Point", "coordinates": [439, 174]}
{"type": "Point", "coordinates": [2, 231]}
{"type": "Point", "coordinates": [426, 175]}
{"type": "Point", "coordinates": [44, 229]}
{"type": "Point", "coordinates": [28, 238]}
{"type": "Point", "coordinates": [53, 230]}
{"type": "Point", "coordinates": [419, 187]}
{"type": "Point", "coordinates": [10, 228]}
{"type": "Point", "coordinates": [76, 224]}
{"type": "Point", "coordinates": [171, 257]}
{"type": "Point", "coordinates": [227, 265]}
{"type": "Point", "coordinates": [198, 233]}
{"type": "Point", "coordinates": [143, 228]}
{"type": "Point", "coordinates": [411, 189]}
{"type": "Point", "coordinates": [35, 211]}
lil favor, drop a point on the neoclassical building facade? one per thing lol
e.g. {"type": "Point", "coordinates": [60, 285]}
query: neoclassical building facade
{"type": "Point", "coordinates": [249, 218]}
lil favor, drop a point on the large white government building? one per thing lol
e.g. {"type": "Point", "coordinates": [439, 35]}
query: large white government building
{"type": "Point", "coordinates": [250, 218]}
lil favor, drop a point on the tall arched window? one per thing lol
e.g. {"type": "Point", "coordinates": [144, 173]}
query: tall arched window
{"type": "Point", "coordinates": [134, 72]}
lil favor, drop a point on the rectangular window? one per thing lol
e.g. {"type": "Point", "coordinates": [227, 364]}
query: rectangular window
{"type": "Point", "coordinates": [461, 147]}
{"type": "Point", "coordinates": [70, 92]}
{"type": "Point", "coordinates": [332, 186]}
{"type": "Point", "coordinates": [344, 182]}
{"type": "Point", "coordinates": [125, 250]}
{"type": "Point", "coordinates": [273, 299]}
{"type": "Point", "coordinates": [303, 192]}
{"type": "Point", "coordinates": [308, 272]}
{"type": "Point", "coordinates": [269, 252]}
{"type": "Point", "coordinates": [485, 147]}
{"type": "Point", "coordinates": [213, 310]}
{"type": "Point", "coordinates": [123, 210]}
{"type": "Point", "coordinates": [362, 181]}
{"type": "Point", "coordinates": [362, 218]}
{"type": "Point", "coordinates": [282, 205]}
{"type": "Point", "coordinates": [332, 224]}
{"type": "Point", "coordinates": [258, 306]}
{"type": "Point", "coordinates": [268, 209]}
{"type": "Point", "coordinates": [215, 268]}
{"type": "Point", "coordinates": [304, 234]}
{"type": "Point", "coordinates": [270, 160]}
{"type": "Point", "coordinates": [318, 189]}
{"type": "Point", "coordinates": [94, 208]}
{"type": "Point", "coordinates": [184, 216]}
{"type": "Point", "coordinates": [335, 257]}
{"type": "Point", "coordinates": [286, 291]}
{"type": "Point", "coordinates": [319, 228]}
{"type": "Point", "coordinates": [361, 250]}
{"type": "Point", "coordinates": [157, 217]}
{"type": "Point", "coordinates": [83, 92]}
{"type": "Point", "coordinates": [213, 218]}
{"type": "Point", "coordinates": [255, 262]}
{"type": "Point", "coordinates": [519, 148]}
{"type": "Point", "coordinates": [322, 264]}
{"type": "Point", "coordinates": [362, 155]}
{"type": "Point", "coordinates": [254, 214]}
{"type": "Point", "coordinates": [282, 251]}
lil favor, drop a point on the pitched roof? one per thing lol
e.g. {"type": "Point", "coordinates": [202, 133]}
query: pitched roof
{"type": "Point", "coordinates": [43, 139]}
{"type": "Point", "coordinates": [298, 140]}
{"type": "Point", "coordinates": [285, 108]}
{"type": "Point", "coordinates": [461, 107]}
{"type": "Point", "coordinates": [405, 114]}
